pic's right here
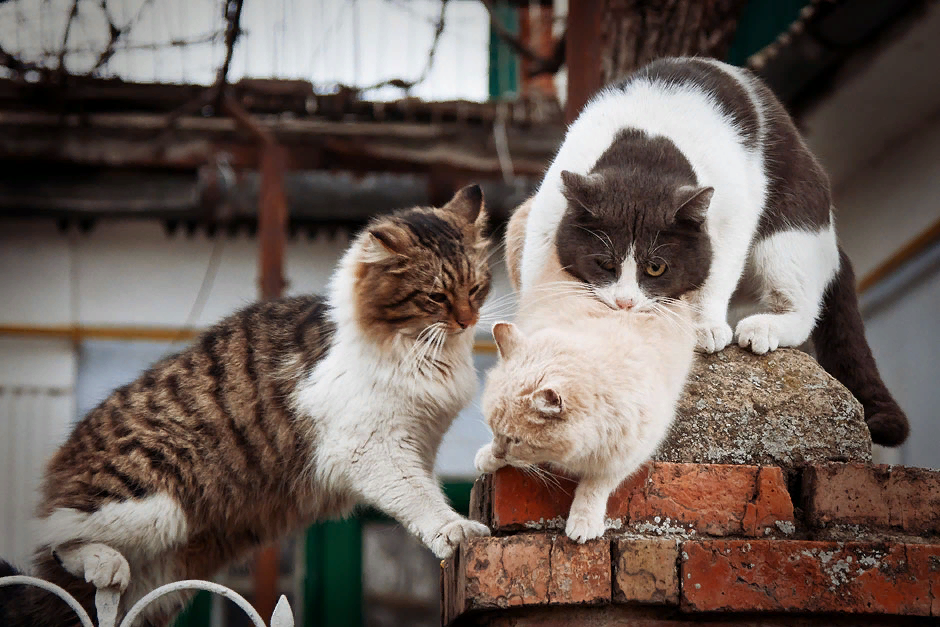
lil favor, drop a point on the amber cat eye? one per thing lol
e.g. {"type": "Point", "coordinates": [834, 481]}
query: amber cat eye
{"type": "Point", "coordinates": [607, 264]}
{"type": "Point", "coordinates": [655, 269]}
{"type": "Point", "coordinates": [438, 297]}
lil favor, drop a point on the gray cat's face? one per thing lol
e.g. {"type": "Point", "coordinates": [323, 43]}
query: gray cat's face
{"type": "Point", "coordinates": [637, 240]}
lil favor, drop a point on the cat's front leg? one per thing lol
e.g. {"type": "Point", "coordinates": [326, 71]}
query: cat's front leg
{"type": "Point", "coordinates": [486, 460]}
{"type": "Point", "coordinates": [586, 519]}
{"type": "Point", "coordinates": [399, 484]}
{"type": "Point", "coordinates": [96, 563]}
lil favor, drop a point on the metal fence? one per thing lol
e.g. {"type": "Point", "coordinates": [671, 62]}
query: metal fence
{"type": "Point", "coordinates": [107, 599]}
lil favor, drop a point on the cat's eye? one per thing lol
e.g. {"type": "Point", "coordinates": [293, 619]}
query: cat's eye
{"type": "Point", "coordinates": [655, 269]}
{"type": "Point", "coordinates": [607, 265]}
{"type": "Point", "coordinates": [474, 290]}
{"type": "Point", "coordinates": [438, 297]}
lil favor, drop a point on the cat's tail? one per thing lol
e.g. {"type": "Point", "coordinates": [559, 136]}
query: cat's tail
{"type": "Point", "coordinates": [841, 348]}
{"type": "Point", "coordinates": [29, 606]}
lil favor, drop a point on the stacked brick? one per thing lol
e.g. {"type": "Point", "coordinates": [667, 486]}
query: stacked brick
{"type": "Point", "coordinates": [831, 544]}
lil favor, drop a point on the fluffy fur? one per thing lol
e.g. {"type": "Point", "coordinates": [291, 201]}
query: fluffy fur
{"type": "Point", "coordinates": [592, 394]}
{"type": "Point", "coordinates": [583, 387]}
{"type": "Point", "coordinates": [287, 412]}
{"type": "Point", "coordinates": [709, 144]}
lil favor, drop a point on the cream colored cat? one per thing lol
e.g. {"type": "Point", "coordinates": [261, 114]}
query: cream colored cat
{"type": "Point", "coordinates": [588, 390]}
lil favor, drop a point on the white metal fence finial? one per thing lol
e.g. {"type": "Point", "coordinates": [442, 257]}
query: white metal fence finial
{"type": "Point", "coordinates": [106, 603]}
{"type": "Point", "coordinates": [282, 616]}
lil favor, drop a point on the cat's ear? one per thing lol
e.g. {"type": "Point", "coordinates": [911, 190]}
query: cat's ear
{"type": "Point", "coordinates": [385, 243]}
{"type": "Point", "coordinates": [548, 401]}
{"type": "Point", "coordinates": [467, 203]}
{"type": "Point", "coordinates": [693, 204]}
{"type": "Point", "coordinates": [583, 190]}
{"type": "Point", "coordinates": [508, 338]}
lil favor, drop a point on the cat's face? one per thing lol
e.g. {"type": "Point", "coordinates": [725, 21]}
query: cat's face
{"type": "Point", "coordinates": [424, 267]}
{"type": "Point", "coordinates": [635, 238]}
{"type": "Point", "coordinates": [533, 401]}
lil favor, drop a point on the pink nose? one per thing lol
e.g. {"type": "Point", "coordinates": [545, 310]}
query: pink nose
{"type": "Point", "coordinates": [625, 303]}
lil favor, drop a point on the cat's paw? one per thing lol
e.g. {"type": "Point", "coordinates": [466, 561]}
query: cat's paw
{"type": "Point", "coordinates": [485, 461]}
{"type": "Point", "coordinates": [581, 528]}
{"type": "Point", "coordinates": [714, 336]}
{"type": "Point", "coordinates": [455, 532]}
{"type": "Point", "coordinates": [759, 333]}
{"type": "Point", "coordinates": [99, 564]}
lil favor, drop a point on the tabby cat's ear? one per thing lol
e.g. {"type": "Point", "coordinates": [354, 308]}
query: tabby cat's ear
{"type": "Point", "coordinates": [693, 204]}
{"type": "Point", "coordinates": [467, 203]}
{"type": "Point", "coordinates": [583, 190]}
{"type": "Point", "coordinates": [548, 401]}
{"type": "Point", "coordinates": [508, 338]}
{"type": "Point", "coordinates": [385, 242]}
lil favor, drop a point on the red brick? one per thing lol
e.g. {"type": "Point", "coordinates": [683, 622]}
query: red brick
{"type": "Point", "coordinates": [709, 498]}
{"type": "Point", "coordinates": [522, 570]}
{"type": "Point", "coordinates": [645, 570]}
{"type": "Point", "coordinates": [714, 499]}
{"type": "Point", "coordinates": [882, 496]}
{"type": "Point", "coordinates": [580, 573]}
{"type": "Point", "coordinates": [791, 575]}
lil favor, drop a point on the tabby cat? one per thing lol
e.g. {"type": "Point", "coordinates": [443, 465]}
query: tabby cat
{"type": "Point", "coordinates": [287, 412]}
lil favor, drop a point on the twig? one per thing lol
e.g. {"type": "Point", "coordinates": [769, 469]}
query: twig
{"type": "Point", "coordinates": [115, 33]}
{"type": "Point", "coordinates": [14, 63]}
{"type": "Point", "coordinates": [65, 38]}
{"type": "Point", "coordinates": [233, 15]}
{"type": "Point", "coordinates": [404, 84]}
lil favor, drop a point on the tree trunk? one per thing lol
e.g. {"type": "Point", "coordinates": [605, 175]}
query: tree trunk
{"type": "Point", "coordinates": [634, 32]}
{"type": "Point", "coordinates": [608, 39]}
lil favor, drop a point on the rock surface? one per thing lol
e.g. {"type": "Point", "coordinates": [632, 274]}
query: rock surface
{"type": "Point", "coordinates": [777, 409]}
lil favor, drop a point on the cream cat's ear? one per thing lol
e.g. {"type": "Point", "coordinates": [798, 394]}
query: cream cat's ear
{"type": "Point", "coordinates": [508, 338]}
{"type": "Point", "coordinates": [548, 401]}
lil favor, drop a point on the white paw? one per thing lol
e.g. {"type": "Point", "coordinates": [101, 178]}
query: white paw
{"type": "Point", "coordinates": [759, 333]}
{"type": "Point", "coordinates": [104, 567]}
{"type": "Point", "coordinates": [485, 461]}
{"type": "Point", "coordinates": [581, 528]}
{"type": "Point", "coordinates": [455, 532]}
{"type": "Point", "coordinates": [714, 336]}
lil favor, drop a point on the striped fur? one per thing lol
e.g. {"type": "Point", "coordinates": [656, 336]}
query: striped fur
{"type": "Point", "coordinates": [230, 444]}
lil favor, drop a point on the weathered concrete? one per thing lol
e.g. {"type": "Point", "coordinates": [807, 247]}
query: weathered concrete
{"type": "Point", "coordinates": [779, 409]}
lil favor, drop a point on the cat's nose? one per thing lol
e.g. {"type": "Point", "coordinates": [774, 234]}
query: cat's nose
{"type": "Point", "coordinates": [464, 317]}
{"type": "Point", "coordinates": [625, 303]}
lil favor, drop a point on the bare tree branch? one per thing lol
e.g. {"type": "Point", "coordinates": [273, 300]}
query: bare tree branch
{"type": "Point", "coordinates": [402, 83]}
{"type": "Point", "coordinates": [233, 16]}
{"type": "Point", "coordinates": [73, 13]}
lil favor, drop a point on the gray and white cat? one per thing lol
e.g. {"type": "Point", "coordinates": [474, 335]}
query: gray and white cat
{"type": "Point", "coordinates": [711, 143]}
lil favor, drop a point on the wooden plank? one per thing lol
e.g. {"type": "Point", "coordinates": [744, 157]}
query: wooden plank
{"type": "Point", "coordinates": [904, 254]}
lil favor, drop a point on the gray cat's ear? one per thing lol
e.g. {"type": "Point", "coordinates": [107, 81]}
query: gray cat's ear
{"type": "Point", "coordinates": [384, 243]}
{"type": "Point", "coordinates": [508, 338]}
{"type": "Point", "coordinates": [693, 204]}
{"type": "Point", "coordinates": [548, 401]}
{"type": "Point", "coordinates": [467, 203]}
{"type": "Point", "coordinates": [583, 190]}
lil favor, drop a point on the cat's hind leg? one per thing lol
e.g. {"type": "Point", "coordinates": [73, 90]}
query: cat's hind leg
{"type": "Point", "coordinates": [791, 269]}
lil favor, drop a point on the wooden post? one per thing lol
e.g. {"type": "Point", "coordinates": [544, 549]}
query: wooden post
{"type": "Point", "coordinates": [583, 54]}
{"type": "Point", "coordinates": [272, 239]}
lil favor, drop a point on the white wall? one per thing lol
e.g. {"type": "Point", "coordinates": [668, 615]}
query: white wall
{"type": "Point", "coordinates": [878, 134]}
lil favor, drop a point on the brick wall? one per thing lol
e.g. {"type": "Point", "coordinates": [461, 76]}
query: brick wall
{"type": "Point", "coordinates": [831, 544]}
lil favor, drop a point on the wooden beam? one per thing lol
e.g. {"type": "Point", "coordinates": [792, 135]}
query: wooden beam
{"type": "Point", "coordinates": [583, 54]}
{"type": "Point", "coordinates": [928, 237]}
{"type": "Point", "coordinates": [117, 140]}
